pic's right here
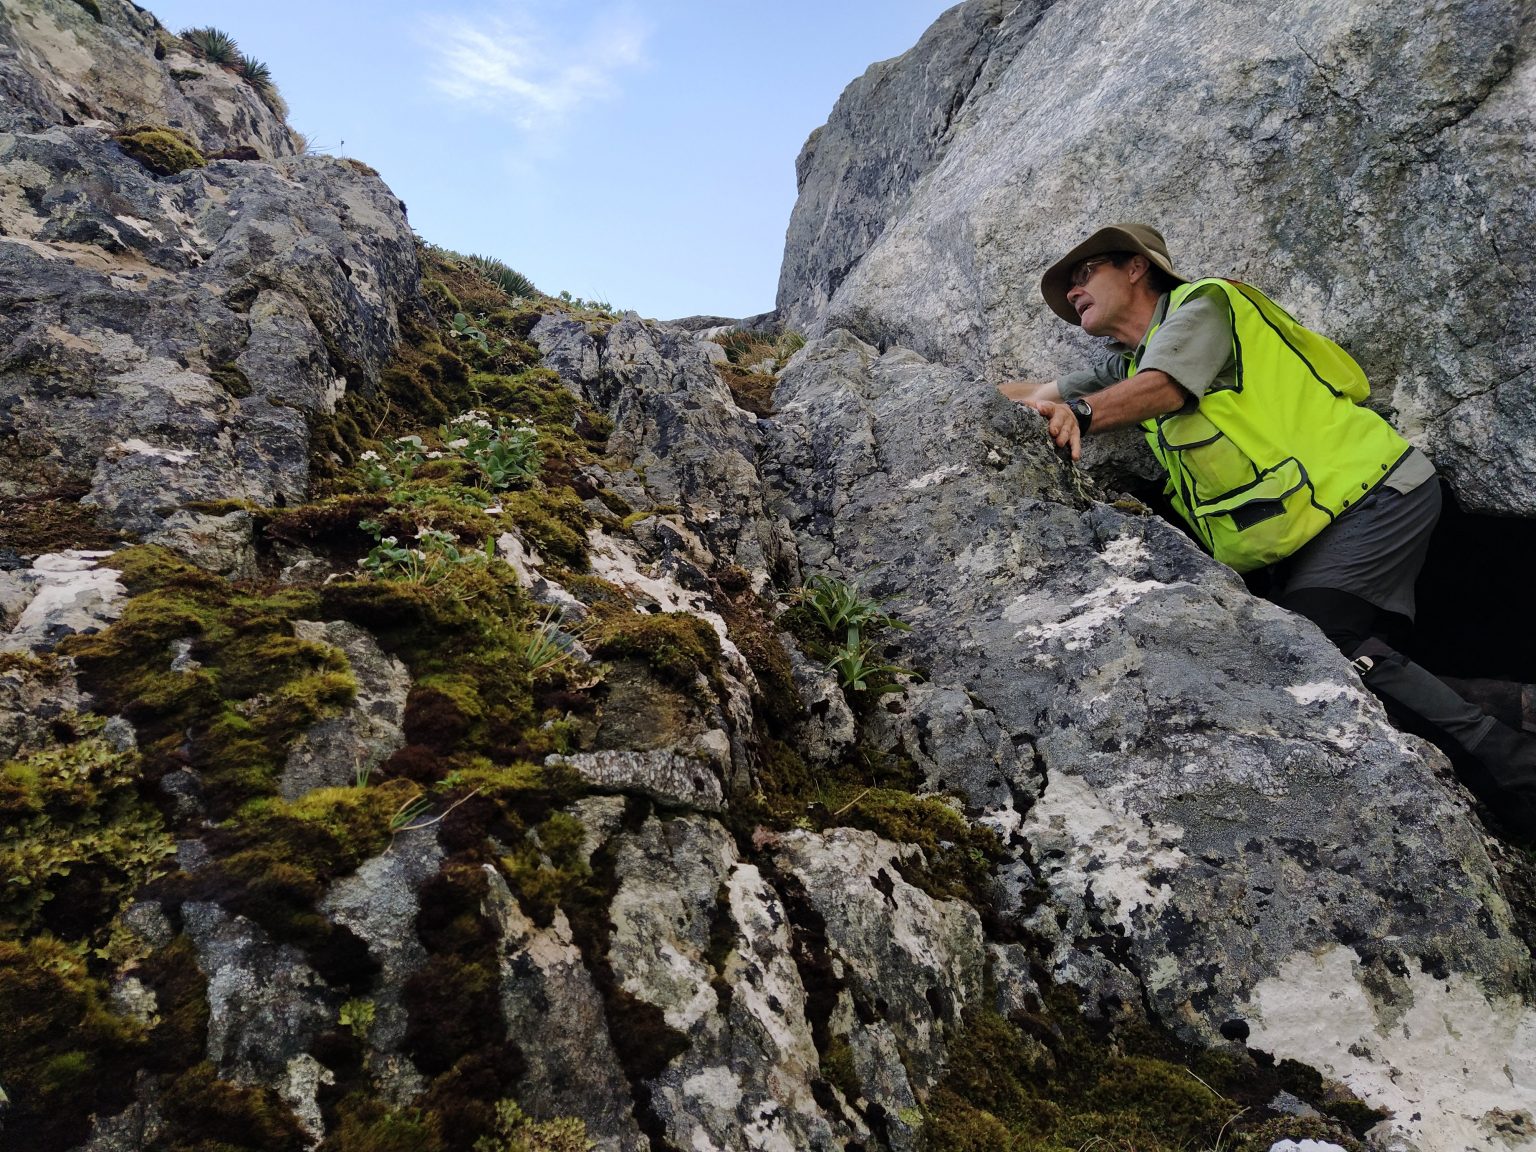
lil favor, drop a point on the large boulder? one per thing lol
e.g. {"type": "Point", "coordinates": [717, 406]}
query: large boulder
{"type": "Point", "coordinates": [1366, 164]}
{"type": "Point", "coordinates": [1223, 823]}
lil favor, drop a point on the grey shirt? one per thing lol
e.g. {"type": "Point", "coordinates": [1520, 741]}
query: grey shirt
{"type": "Point", "coordinates": [1194, 347]}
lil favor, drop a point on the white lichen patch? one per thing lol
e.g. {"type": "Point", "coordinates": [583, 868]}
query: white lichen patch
{"type": "Point", "coordinates": [979, 559]}
{"type": "Point", "coordinates": [137, 447]}
{"type": "Point", "coordinates": [1125, 552]}
{"type": "Point", "coordinates": [1322, 691]}
{"type": "Point", "coordinates": [300, 1089]}
{"type": "Point", "coordinates": [763, 971]}
{"type": "Point", "coordinates": [65, 592]}
{"type": "Point", "coordinates": [937, 476]}
{"type": "Point", "coordinates": [1449, 1060]}
{"type": "Point", "coordinates": [142, 227]}
{"type": "Point", "coordinates": [1083, 617]}
{"type": "Point", "coordinates": [717, 1087]}
{"type": "Point", "coordinates": [1089, 845]}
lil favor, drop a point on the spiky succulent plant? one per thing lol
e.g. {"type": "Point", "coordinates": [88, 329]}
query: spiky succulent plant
{"type": "Point", "coordinates": [212, 45]}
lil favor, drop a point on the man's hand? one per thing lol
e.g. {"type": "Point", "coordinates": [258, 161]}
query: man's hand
{"type": "Point", "coordinates": [1144, 396]}
{"type": "Point", "coordinates": [1061, 425]}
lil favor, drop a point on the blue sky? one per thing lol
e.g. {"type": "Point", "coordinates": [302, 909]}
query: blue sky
{"type": "Point", "coordinates": [639, 153]}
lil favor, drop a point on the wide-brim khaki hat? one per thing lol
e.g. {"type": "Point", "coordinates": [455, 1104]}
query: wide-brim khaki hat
{"type": "Point", "coordinates": [1142, 238]}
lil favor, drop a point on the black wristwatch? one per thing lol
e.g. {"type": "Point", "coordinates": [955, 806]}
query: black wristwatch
{"type": "Point", "coordinates": [1084, 413]}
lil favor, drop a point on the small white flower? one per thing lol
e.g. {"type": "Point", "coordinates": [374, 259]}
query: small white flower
{"type": "Point", "coordinates": [390, 540]}
{"type": "Point", "coordinates": [457, 444]}
{"type": "Point", "coordinates": [434, 455]}
{"type": "Point", "coordinates": [369, 455]}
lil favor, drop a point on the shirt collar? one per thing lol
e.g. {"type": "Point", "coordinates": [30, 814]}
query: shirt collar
{"type": "Point", "coordinates": [1159, 314]}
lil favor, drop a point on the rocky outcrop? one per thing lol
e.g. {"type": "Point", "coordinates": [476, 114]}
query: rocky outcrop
{"type": "Point", "coordinates": [1185, 766]}
{"type": "Point", "coordinates": [676, 424]}
{"type": "Point", "coordinates": [69, 63]}
{"type": "Point", "coordinates": [536, 821]}
{"type": "Point", "coordinates": [174, 338]}
{"type": "Point", "coordinates": [1364, 164]}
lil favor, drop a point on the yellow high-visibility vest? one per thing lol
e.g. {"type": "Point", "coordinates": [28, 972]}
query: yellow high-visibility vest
{"type": "Point", "coordinates": [1265, 464]}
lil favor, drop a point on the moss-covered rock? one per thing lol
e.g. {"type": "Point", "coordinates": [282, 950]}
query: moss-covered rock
{"type": "Point", "coordinates": [77, 836]}
{"type": "Point", "coordinates": [65, 1053]}
{"type": "Point", "coordinates": [164, 151]}
{"type": "Point", "coordinates": [212, 676]}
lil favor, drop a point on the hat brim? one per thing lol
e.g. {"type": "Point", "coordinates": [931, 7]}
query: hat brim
{"type": "Point", "coordinates": [1057, 281]}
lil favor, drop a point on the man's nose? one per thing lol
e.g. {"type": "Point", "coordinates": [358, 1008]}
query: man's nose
{"type": "Point", "coordinates": [1074, 292]}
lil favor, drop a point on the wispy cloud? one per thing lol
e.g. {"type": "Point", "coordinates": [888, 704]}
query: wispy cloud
{"type": "Point", "coordinates": [533, 62]}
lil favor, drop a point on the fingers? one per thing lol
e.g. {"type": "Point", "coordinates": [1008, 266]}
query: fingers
{"type": "Point", "coordinates": [1061, 426]}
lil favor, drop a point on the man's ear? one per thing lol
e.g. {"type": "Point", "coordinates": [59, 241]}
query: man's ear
{"type": "Point", "coordinates": [1138, 267]}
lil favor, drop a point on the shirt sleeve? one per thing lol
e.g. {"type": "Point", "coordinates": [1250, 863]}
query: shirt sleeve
{"type": "Point", "coordinates": [1194, 344]}
{"type": "Point", "coordinates": [1087, 381]}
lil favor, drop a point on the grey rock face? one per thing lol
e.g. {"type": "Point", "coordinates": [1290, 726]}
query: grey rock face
{"type": "Point", "coordinates": [345, 748]}
{"type": "Point", "coordinates": [552, 1006]}
{"type": "Point", "coordinates": [379, 903]}
{"type": "Point", "coordinates": [913, 960]}
{"type": "Point", "coordinates": [174, 338]}
{"type": "Point", "coordinates": [1203, 756]}
{"type": "Point", "coordinates": [743, 1082]}
{"type": "Point", "coordinates": [59, 65]}
{"type": "Point", "coordinates": [676, 424]}
{"type": "Point", "coordinates": [1367, 165]}
{"type": "Point", "coordinates": [663, 774]}
{"type": "Point", "coordinates": [856, 173]}
{"type": "Point", "coordinates": [265, 1007]}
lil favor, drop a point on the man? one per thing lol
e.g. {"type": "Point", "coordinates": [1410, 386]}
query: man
{"type": "Point", "coordinates": [1275, 467]}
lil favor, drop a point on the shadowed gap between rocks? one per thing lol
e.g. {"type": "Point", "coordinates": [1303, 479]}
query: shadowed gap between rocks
{"type": "Point", "coordinates": [1477, 607]}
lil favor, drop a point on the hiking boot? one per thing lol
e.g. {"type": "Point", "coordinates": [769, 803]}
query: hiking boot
{"type": "Point", "coordinates": [1506, 700]}
{"type": "Point", "coordinates": [1510, 758]}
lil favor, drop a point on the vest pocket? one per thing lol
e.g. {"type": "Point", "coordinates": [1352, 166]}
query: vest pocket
{"type": "Point", "coordinates": [1209, 461]}
{"type": "Point", "coordinates": [1263, 521]}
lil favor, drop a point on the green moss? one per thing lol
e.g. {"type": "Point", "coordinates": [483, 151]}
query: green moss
{"type": "Point", "coordinates": [53, 521]}
{"type": "Point", "coordinates": [229, 376]}
{"type": "Point", "coordinates": [516, 1131]}
{"type": "Point", "coordinates": [440, 296]}
{"type": "Point", "coordinates": [454, 1034]}
{"type": "Point", "coordinates": [202, 1113]}
{"type": "Point", "coordinates": [837, 1068]}
{"type": "Point", "coordinates": [1262, 1137]}
{"type": "Point", "coordinates": [594, 590]}
{"type": "Point", "coordinates": [180, 1033]}
{"type": "Point", "coordinates": [212, 676]}
{"type": "Point", "coordinates": [679, 646]}
{"type": "Point", "coordinates": [553, 521]}
{"type": "Point", "coordinates": [366, 1124]}
{"type": "Point", "coordinates": [65, 1054]}
{"type": "Point", "coordinates": [547, 866]}
{"type": "Point", "coordinates": [77, 837]}
{"type": "Point", "coordinates": [163, 151]}
{"type": "Point", "coordinates": [1066, 1085]}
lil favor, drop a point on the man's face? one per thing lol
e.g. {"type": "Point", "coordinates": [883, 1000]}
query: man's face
{"type": "Point", "coordinates": [1100, 293]}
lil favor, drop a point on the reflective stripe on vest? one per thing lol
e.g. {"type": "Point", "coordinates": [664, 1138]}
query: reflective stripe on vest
{"type": "Point", "coordinates": [1260, 467]}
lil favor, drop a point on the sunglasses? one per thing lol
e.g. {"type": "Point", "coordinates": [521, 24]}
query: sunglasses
{"type": "Point", "coordinates": [1084, 271]}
